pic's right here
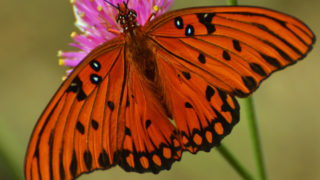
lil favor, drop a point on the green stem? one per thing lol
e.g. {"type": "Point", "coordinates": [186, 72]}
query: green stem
{"type": "Point", "coordinates": [232, 2]}
{"type": "Point", "coordinates": [254, 135]}
{"type": "Point", "coordinates": [234, 162]}
{"type": "Point", "coordinates": [253, 128]}
{"type": "Point", "coordinates": [11, 152]}
{"type": "Point", "coordinates": [224, 150]}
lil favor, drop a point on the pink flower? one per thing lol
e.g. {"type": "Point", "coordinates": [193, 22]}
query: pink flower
{"type": "Point", "coordinates": [94, 17]}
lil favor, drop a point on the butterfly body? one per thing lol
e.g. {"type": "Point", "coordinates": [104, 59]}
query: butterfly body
{"type": "Point", "coordinates": [157, 90]}
{"type": "Point", "coordinates": [141, 52]}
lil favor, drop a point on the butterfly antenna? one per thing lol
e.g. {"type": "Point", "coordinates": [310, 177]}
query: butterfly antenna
{"type": "Point", "coordinates": [127, 2]}
{"type": "Point", "coordinates": [111, 4]}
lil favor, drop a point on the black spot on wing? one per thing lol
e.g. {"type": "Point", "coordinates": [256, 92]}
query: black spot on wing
{"type": "Point", "coordinates": [272, 61]}
{"type": "Point", "coordinates": [74, 164]}
{"type": "Point", "coordinates": [81, 95]}
{"type": "Point", "coordinates": [127, 131]}
{"type": "Point", "coordinates": [209, 92]}
{"type": "Point", "coordinates": [178, 22]}
{"type": "Point", "coordinates": [202, 58]}
{"type": "Point", "coordinates": [76, 87]}
{"type": "Point", "coordinates": [257, 69]}
{"type": "Point", "coordinates": [128, 102]}
{"type": "Point", "coordinates": [116, 156]}
{"type": "Point", "coordinates": [148, 123]}
{"type": "Point", "coordinates": [226, 55]}
{"type": "Point", "coordinates": [111, 105]}
{"type": "Point", "coordinates": [236, 45]}
{"type": "Point", "coordinates": [80, 127]}
{"type": "Point", "coordinates": [95, 79]}
{"type": "Point", "coordinates": [186, 75]}
{"type": "Point", "coordinates": [238, 92]}
{"type": "Point", "coordinates": [95, 124]}
{"type": "Point", "coordinates": [95, 65]}
{"type": "Point", "coordinates": [249, 82]}
{"type": "Point", "coordinates": [87, 159]}
{"type": "Point", "coordinates": [189, 31]}
{"type": "Point", "coordinates": [188, 105]}
{"type": "Point", "coordinates": [206, 19]}
{"type": "Point", "coordinates": [103, 159]}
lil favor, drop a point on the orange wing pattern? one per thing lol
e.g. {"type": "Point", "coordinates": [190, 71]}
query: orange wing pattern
{"type": "Point", "coordinates": [81, 129]}
{"type": "Point", "coordinates": [233, 48]}
{"type": "Point", "coordinates": [203, 114]}
{"type": "Point", "coordinates": [150, 143]}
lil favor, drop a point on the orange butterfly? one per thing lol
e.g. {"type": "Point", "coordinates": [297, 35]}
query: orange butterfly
{"type": "Point", "coordinates": [144, 97]}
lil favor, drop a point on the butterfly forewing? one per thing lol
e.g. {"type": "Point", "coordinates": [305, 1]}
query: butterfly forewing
{"type": "Point", "coordinates": [246, 44]}
{"type": "Point", "coordinates": [62, 143]}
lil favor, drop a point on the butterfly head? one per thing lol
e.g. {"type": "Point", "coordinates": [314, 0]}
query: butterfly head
{"type": "Point", "coordinates": [127, 18]}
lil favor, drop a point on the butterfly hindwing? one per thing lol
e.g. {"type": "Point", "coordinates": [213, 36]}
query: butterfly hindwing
{"type": "Point", "coordinates": [235, 48]}
{"type": "Point", "coordinates": [150, 142]}
{"type": "Point", "coordinates": [68, 139]}
{"type": "Point", "coordinates": [203, 114]}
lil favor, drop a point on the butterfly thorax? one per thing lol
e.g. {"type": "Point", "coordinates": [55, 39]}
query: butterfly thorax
{"type": "Point", "coordinates": [140, 54]}
{"type": "Point", "coordinates": [126, 18]}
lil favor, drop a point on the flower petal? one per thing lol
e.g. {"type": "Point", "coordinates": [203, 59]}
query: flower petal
{"type": "Point", "coordinates": [94, 17]}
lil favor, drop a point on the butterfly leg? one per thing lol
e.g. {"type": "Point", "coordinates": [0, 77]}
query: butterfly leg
{"type": "Point", "coordinates": [114, 31]}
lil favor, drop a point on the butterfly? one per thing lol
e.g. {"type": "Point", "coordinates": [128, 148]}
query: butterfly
{"type": "Point", "coordinates": [143, 98]}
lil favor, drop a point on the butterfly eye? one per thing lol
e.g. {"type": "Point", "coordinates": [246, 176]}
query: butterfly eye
{"type": "Point", "coordinates": [118, 19]}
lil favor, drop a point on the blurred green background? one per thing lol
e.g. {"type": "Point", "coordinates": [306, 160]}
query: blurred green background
{"type": "Point", "coordinates": [287, 104]}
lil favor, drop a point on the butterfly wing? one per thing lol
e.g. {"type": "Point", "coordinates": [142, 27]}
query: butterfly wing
{"type": "Point", "coordinates": [233, 48]}
{"type": "Point", "coordinates": [104, 114]}
{"type": "Point", "coordinates": [82, 128]}
{"type": "Point", "coordinates": [150, 142]}
{"type": "Point", "coordinates": [203, 114]}
{"type": "Point", "coordinates": [206, 55]}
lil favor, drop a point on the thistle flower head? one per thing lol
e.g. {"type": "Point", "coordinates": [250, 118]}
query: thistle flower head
{"type": "Point", "coordinates": [95, 17]}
